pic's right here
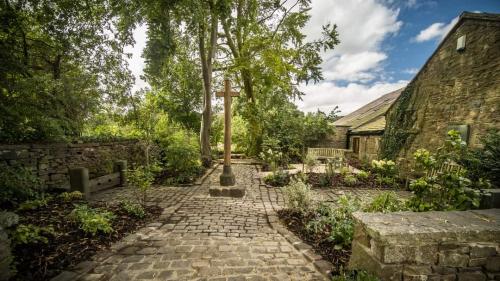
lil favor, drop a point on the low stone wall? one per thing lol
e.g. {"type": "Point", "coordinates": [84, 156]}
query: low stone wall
{"type": "Point", "coordinates": [51, 162]}
{"type": "Point", "coordinates": [428, 246]}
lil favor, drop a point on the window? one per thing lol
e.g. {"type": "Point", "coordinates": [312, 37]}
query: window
{"type": "Point", "coordinates": [355, 145]}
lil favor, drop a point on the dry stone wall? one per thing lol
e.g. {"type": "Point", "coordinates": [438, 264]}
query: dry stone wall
{"type": "Point", "coordinates": [51, 162]}
{"type": "Point", "coordinates": [428, 246]}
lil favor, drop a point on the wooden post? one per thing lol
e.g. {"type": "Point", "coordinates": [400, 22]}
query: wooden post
{"type": "Point", "coordinates": [227, 176]}
{"type": "Point", "coordinates": [79, 181]}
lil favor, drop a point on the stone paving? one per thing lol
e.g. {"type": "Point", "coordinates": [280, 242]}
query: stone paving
{"type": "Point", "coordinates": [198, 237]}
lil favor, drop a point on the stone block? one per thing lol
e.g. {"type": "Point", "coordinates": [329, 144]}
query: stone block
{"type": "Point", "coordinates": [417, 270]}
{"type": "Point", "coordinates": [483, 250]}
{"type": "Point", "coordinates": [219, 191]}
{"type": "Point", "coordinates": [363, 259]}
{"type": "Point", "coordinates": [443, 270]}
{"type": "Point", "coordinates": [493, 264]}
{"type": "Point", "coordinates": [471, 276]}
{"type": "Point", "coordinates": [451, 258]}
{"type": "Point", "coordinates": [477, 262]}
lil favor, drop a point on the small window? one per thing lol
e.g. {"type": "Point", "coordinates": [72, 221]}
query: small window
{"type": "Point", "coordinates": [355, 145]}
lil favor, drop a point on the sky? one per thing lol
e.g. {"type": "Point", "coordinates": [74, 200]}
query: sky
{"type": "Point", "coordinates": [383, 45]}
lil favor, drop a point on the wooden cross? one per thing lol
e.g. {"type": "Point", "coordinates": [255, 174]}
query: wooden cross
{"type": "Point", "coordinates": [227, 177]}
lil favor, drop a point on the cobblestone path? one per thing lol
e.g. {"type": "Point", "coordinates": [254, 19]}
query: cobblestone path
{"type": "Point", "coordinates": [198, 237]}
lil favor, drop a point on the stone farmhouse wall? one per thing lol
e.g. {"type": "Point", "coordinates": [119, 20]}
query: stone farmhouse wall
{"type": "Point", "coordinates": [339, 138]}
{"type": "Point", "coordinates": [454, 88]}
{"type": "Point", "coordinates": [50, 162]}
{"type": "Point", "coordinates": [428, 246]}
{"type": "Point", "coordinates": [368, 146]}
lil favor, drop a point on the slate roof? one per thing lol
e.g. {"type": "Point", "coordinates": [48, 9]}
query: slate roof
{"type": "Point", "coordinates": [370, 117]}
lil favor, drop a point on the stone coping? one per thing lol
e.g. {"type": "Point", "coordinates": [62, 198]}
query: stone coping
{"type": "Point", "coordinates": [410, 227]}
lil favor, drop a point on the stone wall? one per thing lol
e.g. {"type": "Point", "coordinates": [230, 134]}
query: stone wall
{"type": "Point", "coordinates": [453, 88]}
{"type": "Point", "coordinates": [50, 162]}
{"type": "Point", "coordinates": [368, 146]}
{"type": "Point", "coordinates": [339, 138]}
{"type": "Point", "coordinates": [428, 246]}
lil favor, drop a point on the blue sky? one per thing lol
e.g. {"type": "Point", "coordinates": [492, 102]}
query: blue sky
{"type": "Point", "coordinates": [383, 44]}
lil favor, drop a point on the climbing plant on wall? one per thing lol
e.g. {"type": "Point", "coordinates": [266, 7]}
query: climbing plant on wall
{"type": "Point", "coordinates": [399, 123]}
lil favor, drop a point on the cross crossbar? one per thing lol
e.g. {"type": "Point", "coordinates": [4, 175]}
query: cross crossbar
{"type": "Point", "coordinates": [233, 94]}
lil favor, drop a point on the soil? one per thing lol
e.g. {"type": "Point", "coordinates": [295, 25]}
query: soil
{"type": "Point", "coordinates": [69, 245]}
{"type": "Point", "coordinates": [296, 223]}
{"type": "Point", "coordinates": [314, 179]}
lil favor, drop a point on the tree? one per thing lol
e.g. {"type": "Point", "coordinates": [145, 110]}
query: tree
{"type": "Point", "coordinates": [60, 61]}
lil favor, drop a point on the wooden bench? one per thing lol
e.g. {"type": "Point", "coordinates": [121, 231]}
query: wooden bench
{"type": "Point", "coordinates": [446, 167]}
{"type": "Point", "coordinates": [328, 153]}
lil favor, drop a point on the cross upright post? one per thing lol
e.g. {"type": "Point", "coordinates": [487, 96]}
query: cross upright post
{"type": "Point", "coordinates": [227, 177]}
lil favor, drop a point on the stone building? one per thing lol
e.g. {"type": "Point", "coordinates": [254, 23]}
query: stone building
{"type": "Point", "coordinates": [457, 88]}
{"type": "Point", "coordinates": [362, 129]}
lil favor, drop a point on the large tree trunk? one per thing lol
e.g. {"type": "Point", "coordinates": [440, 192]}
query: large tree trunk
{"type": "Point", "coordinates": [206, 62]}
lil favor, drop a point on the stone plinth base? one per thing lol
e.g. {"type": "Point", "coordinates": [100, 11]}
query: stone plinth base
{"type": "Point", "coordinates": [227, 176]}
{"type": "Point", "coordinates": [230, 191]}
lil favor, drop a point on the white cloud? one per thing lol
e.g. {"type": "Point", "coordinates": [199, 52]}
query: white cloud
{"type": "Point", "coordinates": [325, 96]}
{"type": "Point", "coordinates": [136, 62]}
{"type": "Point", "coordinates": [436, 30]}
{"type": "Point", "coordinates": [410, 70]}
{"type": "Point", "coordinates": [362, 25]}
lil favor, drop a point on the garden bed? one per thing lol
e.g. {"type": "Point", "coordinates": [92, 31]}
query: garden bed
{"type": "Point", "coordinates": [296, 223]}
{"type": "Point", "coordinates": [68, 244]}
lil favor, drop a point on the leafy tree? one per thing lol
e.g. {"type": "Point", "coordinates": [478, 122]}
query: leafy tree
{"type": "Point", "coordinates": [60, 61]}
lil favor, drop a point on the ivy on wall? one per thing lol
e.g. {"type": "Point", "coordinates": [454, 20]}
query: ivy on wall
{"type": "Point", "coordinates": [400, 120]}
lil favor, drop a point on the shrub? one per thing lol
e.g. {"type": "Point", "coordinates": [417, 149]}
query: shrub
{"type": "Point", "coordinates": [31, 234]}
{"type": "Point", "coordinates": [363, 175]}
{"type": "Point", "coordinates": [92, 220]}
{"type": "Point", "coordinates": [311, 162]}
{"type": "Point", "coordinates": [271, 158]}
{"type": "Point", "coordinates": [442, 190]}
{"type": "Point", "coordinates": [34, 204]}
{"type": "Point", "coordinates": [278, 178]}
{"type": "Point", "coordinates": [8, 219]}
{"type": "Point", "coordinates": [344, 171]}
{"type": "Point", "coordinates": [181, 155]}
{"type": "Point", "coordinates": [140, 179]}
{"type": "Point", "coordinates": [133, 209]}
{"type": "Point", "coordinates": [298, 196]}
{"type": "Point", "coordinates": [70, 196]}
{"type": "Point", "coordinates": [385, 171]}
{"type": "Point", "coordinates": [386, 202]}
{"type": "Point", "coordinates": [17, 184]}
{"type": "Point", "coordinates": [350, 180]}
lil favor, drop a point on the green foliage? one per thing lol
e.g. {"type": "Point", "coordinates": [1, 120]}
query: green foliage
{"type": "Point", "coordinates": [440, 189]}
{"type": "Point", "coordinates": [58, 65]}
{"type": "Point", "coordinates": [363, 175]}
{"type": "Point", "coordinates": [181, 155]}
{"type": "Point", "coordinates": [133, 209]}
{"type": "Point", "coordinates": [271, 158]}
{"type": "Point", "coordinates": [386, 202]}
{"type": "Point", "coordinates": [355, 276]}
{"type": "Point", "coordinates": [34, 204]}
{"type": "Point", "coordinates": [140, 179]}
{"type": "Point", "coordinates": [91, 220]}
{"type": "Point", "coordinates": [298, 196]}
{"type": "Point", "coordinates": [334, 221]}
{"type": "Point", "coordinates": [400, 121]}
{"type": "Point", "coordinates": [277, 178]}
{"type": "Point", "coordinates": [350, 180]}
{"type": "Point", "coordinates": [31, 234]}
{"type": "Point", "coordinates": [311, 162]}
{"type": "Point", "coordinates": [8, 219]}
{"type": "Point", "coordinates": [484, 163]}
{"type": "Point", "coordinates": [17, 184]}
{"type": "Point", "coordinates": [385, 171]}
{"type": "Point", "coordinates": [70, 196]}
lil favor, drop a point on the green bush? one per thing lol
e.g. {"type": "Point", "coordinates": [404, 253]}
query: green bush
{"type": "Point", "coordinates": [385, 171]}
{"type": "Point", "coordinates": [31, 234]}
{"type": "Point", "coordinates": [298, 196]}
{"type": "Point", "coordinates": [311, 162]}
{"type": "Point", "coordinates": [133, 209]}
{"type": "Point", "coordinates": [70, 196]}
{"type": "Point", "coordinates": [363, 175]}
{"type": "Point", "coordinates": [386, 202]}
{"type": "Point", "coordinates": [278, 178]}
{"type": "Point", "coordinates": [34, 204]}
{"type": "Point", "coordinates": [92, 220]}
{"type": "Point", "coordinates": [355, 276]}
{"type": "Point", "coordinates": [181, 155]}
{"type": "Point", "coordinates": [350, 180]}
{"type": "Point", "coordinates": [140, 180]}
{"type": "Point", "coordinates": [17, 184]}
{"type": "Point", "coordinates": [442, 190]}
